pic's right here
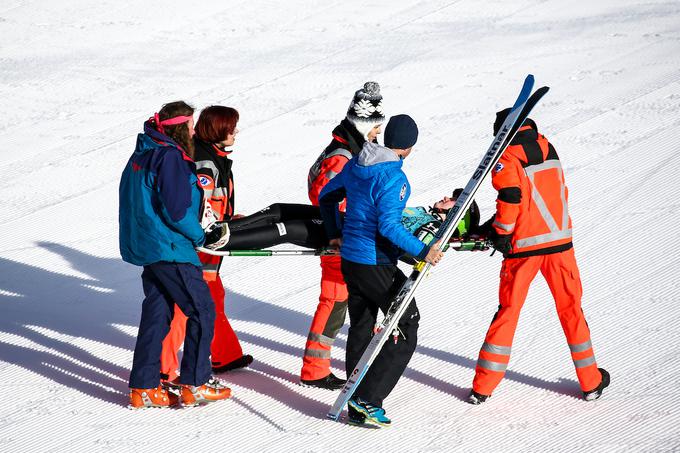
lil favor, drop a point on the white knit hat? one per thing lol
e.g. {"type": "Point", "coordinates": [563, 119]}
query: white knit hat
{"type": "Point", "coordinates": [366, 111]}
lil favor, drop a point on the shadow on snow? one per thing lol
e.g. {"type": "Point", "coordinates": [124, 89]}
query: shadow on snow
{"type": "Point", "coordinates": [73, 308]}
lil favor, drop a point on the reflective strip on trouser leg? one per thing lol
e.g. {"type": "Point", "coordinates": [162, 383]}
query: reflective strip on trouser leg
{"type": "Point", "coordinates": [320, 338]}
{"type": "Point", "coordinates": [587, 373]}
{"type": "Point", "coordinates": [493, 360]}
{"type": "Point", "coordinates": [318, 354]}
{"type": "Point", "coordinates": [491, 365]}
{"type": "Point", "coordinates": [562, 275]}
{"type": "Point", "coordinates": [495, 349]}
{"type": "Point", "coordinates": [316, 361]}
{"type": "Point", "coordinates": [581, 347]}
{"type": "Point", "coordinates": [516, 276]}
{"type": "Point", "coordinates": [582, 363]}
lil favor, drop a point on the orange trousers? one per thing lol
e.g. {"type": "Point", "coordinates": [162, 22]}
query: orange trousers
{"type": "Point", "coordinates": [225, 346]}
{"type": "Point", "coordinates": [562, 275]}
{"type": "Point", "coordinates": [327, 322]}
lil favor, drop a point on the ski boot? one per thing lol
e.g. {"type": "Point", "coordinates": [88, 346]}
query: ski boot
{"type": "Point", "coordinates": [154, 397]}
{"type": "Point", "coordinates": [213, 390]}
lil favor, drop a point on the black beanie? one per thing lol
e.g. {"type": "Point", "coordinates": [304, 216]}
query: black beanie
{"type": "Point", "coordinates": [501, 117]}
{"type": "Point", "coordinates": [401, 132]}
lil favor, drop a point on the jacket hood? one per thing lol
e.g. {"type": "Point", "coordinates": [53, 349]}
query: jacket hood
{"type": "Point", "coordinates": [527, 133]}
{"type": "Point", "coordinates": [348, 132]}
{"type": "Point", "coordinates": [151, 138]}
{"type": "Point", "coordinates": [373, 158]}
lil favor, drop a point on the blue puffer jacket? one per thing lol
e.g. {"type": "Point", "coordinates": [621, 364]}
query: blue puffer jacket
{"type": "Point", "coordinates": [376, 190]}
{"type": "Point", "coordinates": [159, 203]}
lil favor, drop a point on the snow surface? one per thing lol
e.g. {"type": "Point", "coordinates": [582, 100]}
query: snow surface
{"type": "Point", "coordinates": [80, 77]}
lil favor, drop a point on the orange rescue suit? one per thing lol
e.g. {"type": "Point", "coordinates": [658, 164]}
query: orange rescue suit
{"type": "Point", "coordinates": [332, 308]}
{"type": "Point", "coordinates": [532, 207]}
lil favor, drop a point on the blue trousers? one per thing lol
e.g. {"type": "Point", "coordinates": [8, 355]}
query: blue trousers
{"type": "Point", "coordinates": [166, 284]}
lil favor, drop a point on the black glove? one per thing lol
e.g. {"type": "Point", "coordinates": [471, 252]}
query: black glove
{"type": "Point", "coordinates": [502, 242]}
{"type": "Point", "coordinates": [217, 237]}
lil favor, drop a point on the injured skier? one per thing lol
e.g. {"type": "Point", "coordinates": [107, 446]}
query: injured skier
{"type": "Point", "coordinates": [301, 225]}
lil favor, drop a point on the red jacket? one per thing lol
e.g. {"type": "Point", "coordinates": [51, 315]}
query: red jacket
{"type": "Point", "coordinates": [346, 143]}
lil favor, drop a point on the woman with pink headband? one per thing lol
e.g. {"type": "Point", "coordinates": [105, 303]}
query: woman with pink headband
{"type": "Point", "coordinates": [159, 229]}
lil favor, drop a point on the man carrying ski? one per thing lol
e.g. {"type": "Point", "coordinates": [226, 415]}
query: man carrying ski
{"type": "Point", "coordinates": [372, 239]}
{"type": "Point", "coordinates": [532, 229]}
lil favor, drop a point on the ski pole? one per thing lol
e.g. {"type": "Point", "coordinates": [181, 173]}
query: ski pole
{"type": "Point", "coordinates": [295, 252]}
{"type": "Point", "coordinates": [470, 245]}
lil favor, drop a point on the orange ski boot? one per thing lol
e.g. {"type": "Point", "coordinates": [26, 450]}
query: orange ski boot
{"type": "Point", "coordinates": [155, 397]}
{"type": "Point", "coordinates": [213, 390]}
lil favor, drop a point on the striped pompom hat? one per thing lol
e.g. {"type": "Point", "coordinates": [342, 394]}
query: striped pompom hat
{"type": "Point", "coordinates": [366, 110]}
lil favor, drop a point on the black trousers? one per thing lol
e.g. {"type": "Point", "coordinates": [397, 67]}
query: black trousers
{"type": "Point", "coordinates": [371, 288]}
{"type": "Point", "coordinates": [279, 223]}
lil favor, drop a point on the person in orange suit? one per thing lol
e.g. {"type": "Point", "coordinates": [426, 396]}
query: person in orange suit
{"type": "Point", "coordinates": [215, 134]}
{"type": "Point", "coordinates": [533, 230]}
{"type": "Point", "coordinates": [362, 123]}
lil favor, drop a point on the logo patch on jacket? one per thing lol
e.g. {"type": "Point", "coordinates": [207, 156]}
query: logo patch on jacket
{"type": "Point", "coordinates": [499, 167]}
{"type": "Point", "coordinates": [206, 182]}
{"type": "Point", "coordinates": [402, 192]}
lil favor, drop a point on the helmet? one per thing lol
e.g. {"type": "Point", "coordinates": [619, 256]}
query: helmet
{"type": "Point", "coordinates": [470, 221]}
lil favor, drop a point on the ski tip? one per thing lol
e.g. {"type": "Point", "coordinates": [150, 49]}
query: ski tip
{"type": "Point", "coordinates": [332, 416]}
{"type": "Point", "coordinates": [541, 91]}
{"type": "Point", "coordinates": [524, 93]}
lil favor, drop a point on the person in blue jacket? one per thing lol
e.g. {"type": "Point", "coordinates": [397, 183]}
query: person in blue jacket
{"type": "Point", "coordinates": [159, 229]}
{"type": "Point", "coordinates": [371, 239]}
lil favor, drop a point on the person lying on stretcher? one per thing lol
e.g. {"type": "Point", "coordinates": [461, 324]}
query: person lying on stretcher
{"type": "Point", "coordinates": [301, 225]}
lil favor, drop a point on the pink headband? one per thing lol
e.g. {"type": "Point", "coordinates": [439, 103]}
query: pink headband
{"type": "Point", "coordinates": [170, 121]}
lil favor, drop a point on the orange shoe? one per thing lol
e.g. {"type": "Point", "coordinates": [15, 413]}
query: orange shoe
{"type": "Point", "coordinates": [157, 397]}
{"type": "Point", "coordinates": [213, 390]}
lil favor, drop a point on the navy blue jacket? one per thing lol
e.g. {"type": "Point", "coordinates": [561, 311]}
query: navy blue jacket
{"type": "Point", "coordinates": [159, 202]}
{"type": "Point", "coordinates": [376, 190]}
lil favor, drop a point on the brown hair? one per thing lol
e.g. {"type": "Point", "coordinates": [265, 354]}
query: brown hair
{"type": "Point", "coordinates": [180, 133]}
{"type": "Point", "coordinates": [216, 122]}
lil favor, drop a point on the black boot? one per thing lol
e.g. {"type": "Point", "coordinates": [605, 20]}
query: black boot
{"type": "Point", "coordinates": [330, 382]}
{"type": "Point", "coordinates": [597, 392]}
{"type": "Point", "coordinates": [241, 362]}
{"type": "Point", "coordinates": [476, 398]}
